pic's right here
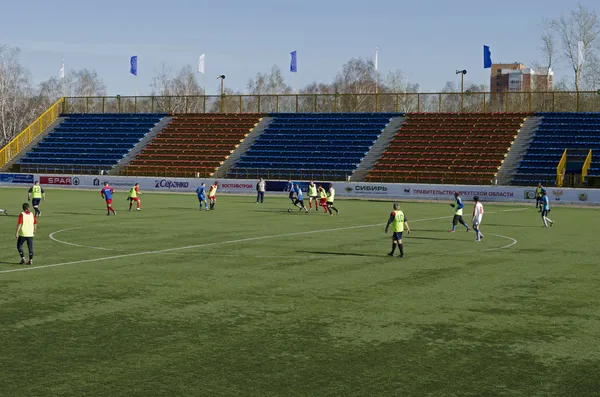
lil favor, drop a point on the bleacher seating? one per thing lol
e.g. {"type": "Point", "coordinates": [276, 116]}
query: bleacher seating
{"type": "Point", "coordinates": [448, 148]}
{"type": "Point", "coordinates": [193, 144]}
{"type": "Point", "coordinates": [311, 146]}
{"type": "Point", "coordinates": [87, 143]}
{"type": "Point", "coordinates": [576, 132]}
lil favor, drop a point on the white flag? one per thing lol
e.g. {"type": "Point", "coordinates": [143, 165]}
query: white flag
{"type": "Point", "coordinates": [62, 70]}
{"type": "Point", "coordinates": [201, 64]}
{"type": "Point", "coordinates": [376, 58]}
{"type": "Point", "coordinates": [580, 50]}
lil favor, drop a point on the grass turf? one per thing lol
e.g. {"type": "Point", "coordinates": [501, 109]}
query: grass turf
{"type": "Point", "coordinates": [250, 300]}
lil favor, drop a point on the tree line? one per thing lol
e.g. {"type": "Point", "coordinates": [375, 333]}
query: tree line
{"type": "Point", "coordinates": [21, 102]}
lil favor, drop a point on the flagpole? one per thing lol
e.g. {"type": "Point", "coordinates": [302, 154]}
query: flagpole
{"type": "Point", "coordinates": [376, 70]}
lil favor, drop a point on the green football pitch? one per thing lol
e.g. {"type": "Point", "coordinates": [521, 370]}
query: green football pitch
{"type": "Point", "coordinates": [250, 300]}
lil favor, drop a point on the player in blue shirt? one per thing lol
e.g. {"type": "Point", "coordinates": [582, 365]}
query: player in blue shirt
{"type": "Point", "coordinates": [202, 196]}
{"type": "Point", "coordinates": [290, 188]}
{"type": "Point", "coordinates": [545, 205]}
{"type": "Point", "coordinates": [458, 213]}
{"type": "Point", "coordinates": [299, 202]}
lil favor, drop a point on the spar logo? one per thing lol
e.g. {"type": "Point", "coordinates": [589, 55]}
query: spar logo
{"type": "Point", "coordinates": [167, 184]}
{"type": "Point", "coordinates": [583, 197]}
{"type": "Point", "coordinates": [58, 180]}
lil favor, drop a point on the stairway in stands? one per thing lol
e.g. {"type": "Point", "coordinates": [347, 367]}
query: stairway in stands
{"type": "Point", "coordinates": [448, 148]}
{"type": "Point", "coordinates": [193, 145]}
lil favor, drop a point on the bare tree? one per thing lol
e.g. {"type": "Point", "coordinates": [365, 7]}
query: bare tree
{"type": "Point", "coordinates": [357, 77]}
{"type": "Point", "coordinates": [579, 25]}
{"type": "Point", "coordinates": [179, 92]}
{"type": "Point", "coordinates": [17, 109]}
{"type": "Point", "coordinates": [268, 86]}
{"type": "Point", "coordinates": [548, 44]}
{"type": "Point", "coordinates": [80, 87]}
{"type": "Point", "coordinates": [590, 76]}
{"type": "Point", "coordinates": [398, 93]}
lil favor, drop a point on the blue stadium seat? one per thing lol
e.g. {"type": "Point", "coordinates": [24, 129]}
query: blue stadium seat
{"type": "Point", "coordinates": [88, 143]}
{"type": "Point", "coordinates": [312, 145]}
{"type": "Point", "coordinates": [557, 132]}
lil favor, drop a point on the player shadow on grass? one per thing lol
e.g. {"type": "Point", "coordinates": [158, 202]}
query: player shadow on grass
{"type": "Point", "coordinates": [335, 253]}
{"type": "Point", "coordinates": [77, 213]}
{"type": "Point", "coordinates": [429, 238]}
{"type": "Point", "coordinates": [504, 225]}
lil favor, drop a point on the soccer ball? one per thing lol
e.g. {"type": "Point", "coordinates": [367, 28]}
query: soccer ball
{"type": "Point", "coordinates": [290, 210]}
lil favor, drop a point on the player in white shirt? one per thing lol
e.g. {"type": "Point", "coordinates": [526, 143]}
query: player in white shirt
{"type": "Point", "coordinates": [477, 217]}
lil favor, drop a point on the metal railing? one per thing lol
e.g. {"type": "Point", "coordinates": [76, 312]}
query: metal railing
{"type": "Point", "coordinates": [586, 166]}
{"type": "Point", "coordinates": [301, 175]}
{"type": "Point", "coordinates": [561, 168]}
{"type": "Point", "coordinates": [441, 102]}
{"type": "Point", "coordinates": [26, 136]}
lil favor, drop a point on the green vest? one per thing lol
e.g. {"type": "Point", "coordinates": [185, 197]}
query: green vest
{"type": "Point", "coordinates": [331, 196]}
{"type": "Point", "coordinates": [27, 226]}
{"type": "Point", "coordinates": [36, 192]}
{"type": "Point", "coordinates": [312, 191]}
{"type": "Point", "coordinates": [398, 222]}
{"type": "Point", "coordinates": [132, 192]}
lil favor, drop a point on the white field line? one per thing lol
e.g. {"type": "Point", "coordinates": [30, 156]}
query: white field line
{"type": "Point", "coordinates": [163, 251]}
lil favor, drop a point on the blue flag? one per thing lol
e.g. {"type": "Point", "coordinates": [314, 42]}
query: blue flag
{"type": "Point", "coordinates": [293, 66]}
{"type": "Point", "coordinates": [133, 69]}
{"type": "Point", "coordinates": [487, 57]}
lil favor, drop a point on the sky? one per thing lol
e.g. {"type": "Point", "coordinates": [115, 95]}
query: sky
{"type": "Point", "coordinates": [427, 40]}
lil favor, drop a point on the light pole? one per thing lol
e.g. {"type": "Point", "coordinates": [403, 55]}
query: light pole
{"type": "Point", "coordinates": [222, 77]}
{"type": "Point", "coordinates": [462, 87]}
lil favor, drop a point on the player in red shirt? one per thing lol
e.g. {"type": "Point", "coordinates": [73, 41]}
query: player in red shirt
{"type": "Point", "coordinates": [106, 194]}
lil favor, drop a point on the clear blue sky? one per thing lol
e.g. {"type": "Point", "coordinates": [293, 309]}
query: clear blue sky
{"type": "Point", "coordinates": [428, 40]}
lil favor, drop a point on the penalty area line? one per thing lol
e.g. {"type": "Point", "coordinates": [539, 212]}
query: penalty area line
{"type": "Point", "coordinates": [244, 240]}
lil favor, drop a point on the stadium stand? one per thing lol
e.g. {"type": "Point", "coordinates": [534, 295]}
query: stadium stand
{"type": "Point", "coordinates": [576, 132]}
{"type": "Point", "coordinates": [448, 148]}
{"type": "Point", "coordinates": [193, 144]}
{"type": "Point", "coordinates": [87, 143]}
{"type": "Point", "coordinates": [311, 146]}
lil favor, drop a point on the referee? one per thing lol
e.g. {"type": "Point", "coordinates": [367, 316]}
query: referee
{"type": "Point", "coordinates": [26, 228]}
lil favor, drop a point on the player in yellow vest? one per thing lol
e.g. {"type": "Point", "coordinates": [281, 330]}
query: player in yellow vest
{"type": "Point", "coordinates": [133, 196]}
{"type": "Point", "coordinates": [312, 195]}
{"type": "Point", "coordinates": [399, 223]}
{"type": "Point", "coordinates": [330, 200]}
{"type": "Point", "coordinates": [36, 194]}
{"type": "Point", "coordinates": [212, 194]}
{"type": "Point", "coordinates": [26, 228]}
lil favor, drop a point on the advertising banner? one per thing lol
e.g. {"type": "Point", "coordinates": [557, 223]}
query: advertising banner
{"type": "Point", "coordinates": [389, 191]}
{"type": "Point", "coordinates": [16, 178]}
